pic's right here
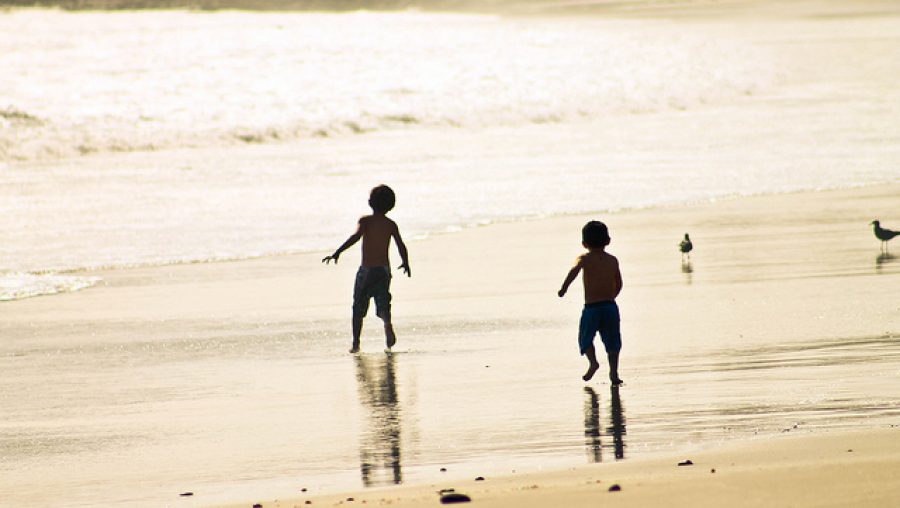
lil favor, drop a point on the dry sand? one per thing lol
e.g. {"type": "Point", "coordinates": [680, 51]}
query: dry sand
{"type": "Point", "coordinates": [827, 470]}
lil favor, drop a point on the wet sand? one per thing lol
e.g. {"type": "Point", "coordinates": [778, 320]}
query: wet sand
{"type": "Point", "coordinates": [232, 381]}
{"type": "Point", "coordinates": [834, 469]}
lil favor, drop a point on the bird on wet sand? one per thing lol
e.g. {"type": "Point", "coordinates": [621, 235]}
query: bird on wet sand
{"type": "Point", "coordinates": [686, 246]}
{"type": "Point", "coordinates": [883, 234]}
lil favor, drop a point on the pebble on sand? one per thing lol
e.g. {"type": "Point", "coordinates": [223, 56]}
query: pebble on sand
{"type": "Point", "coordinates": [615, 488]}
{"type": "Point", "coordinates": [479, 479]}
{"type": "Point", "coordinates": [443, 469]}
{"type": "Point", "coordinates": [257, 505]}
{"type": "Point", "coordinates": [186, 494]}
{"type": "Point", "coordinates": [687, 462]}
{"type": "Point", "coordinates": [455, 497]}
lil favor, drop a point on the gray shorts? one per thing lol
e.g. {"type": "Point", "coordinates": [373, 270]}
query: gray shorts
{"type": "Point", "coordinates": [372, 282]}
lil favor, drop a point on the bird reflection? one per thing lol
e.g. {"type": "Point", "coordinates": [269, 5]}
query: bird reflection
{"type": "Point", "coordinates": [687, 268]}
{"type": "Point", "coordinates": [592, 428]}
{"type": "Point", "coordinates": [883, 259]}
{"type": "Point", "coordinates": [379, 452]}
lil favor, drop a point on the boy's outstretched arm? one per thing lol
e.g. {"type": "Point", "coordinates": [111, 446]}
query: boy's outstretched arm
{"type": "Point", "coordinates": [404, 255]}
{"type": "Point", "coordinates": [346, 245]}
{"type": "Point", "coordinates": [569, 278]}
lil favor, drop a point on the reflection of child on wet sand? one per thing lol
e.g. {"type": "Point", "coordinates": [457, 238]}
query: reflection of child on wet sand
{"type": "Point", "coordinates": [373, 279]}
{"type": "Point", "coordinates": [602, 283]}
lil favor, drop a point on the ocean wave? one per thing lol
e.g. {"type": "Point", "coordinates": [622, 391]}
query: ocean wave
{"type": "Point", "coordinates": [261, 78]}
{"type": "Point", "coordinates": [17, 286]}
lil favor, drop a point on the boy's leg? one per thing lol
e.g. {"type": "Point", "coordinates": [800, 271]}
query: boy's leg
{"type": "Point", "coordinates": [389, 337]}
{"type": "Point", "coordinates": [613, 358]}
{"type": "Point", "coordinates": [382, 296]}
{"type": "Point", "coordinates": [360, 305]}
{"type": "Point", "coordinates": [357, 331]}
{"type": "Point", "coordinates": [587, 330]}
{"type": "Point", "coordinates": [593, 365]}
{"type": "Point", "coordinates": [612, 341]}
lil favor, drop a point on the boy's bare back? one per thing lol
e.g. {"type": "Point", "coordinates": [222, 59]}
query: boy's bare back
{"type": "Point", "coordinates": [377, 231]}
{"type": "Point", "coordinates": [601, 276]}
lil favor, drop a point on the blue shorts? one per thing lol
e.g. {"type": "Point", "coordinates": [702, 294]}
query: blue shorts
{"type": "Point", "coordinates": [602, 318]}
{"type": "Point", "coordinates": [372, 282]}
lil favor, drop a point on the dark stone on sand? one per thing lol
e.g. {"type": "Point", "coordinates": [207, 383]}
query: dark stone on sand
{"type": "Point", "coordinates": [455, 497]}
{"type": "Point", "coordinates": [443, 469]}
{"type": "Point", "coordinates": [713, 470]}
{"type": "Point", "coordinates": [479, 479]}
{"type": "Point", "coordinates": [350, 499]}
{"type": "Point", "coordinates": [688, 462]}
{"type": "Point", "coordinates": [257, 505]}
{"type": "Point", "coordinates": [303, 489]}
{"type": "Point", "coordinates": [615, 488]}
{"type": "Point", "coordinates": [308, 502]}
{"type": "Point", "coordinates": [850, 450]}
{"type": "Point", "coordinates": [186, 494]}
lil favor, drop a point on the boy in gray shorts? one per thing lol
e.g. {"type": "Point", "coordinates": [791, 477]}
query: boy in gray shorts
{"type": "Point", "coordinates": [373, 279]}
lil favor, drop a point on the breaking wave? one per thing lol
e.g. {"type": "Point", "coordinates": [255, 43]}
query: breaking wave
{"type": "Point", "coordinates": [267, 78]}
{"type": "Point", "coordinates": [16, 286]}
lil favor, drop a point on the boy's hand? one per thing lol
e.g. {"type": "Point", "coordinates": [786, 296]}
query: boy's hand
{"type": "Point", "coordinates": [334, 257]}
{"type": "Point", "coordinates": [406, 270]}
{"type": "Point", "coordinates": [561, 292]}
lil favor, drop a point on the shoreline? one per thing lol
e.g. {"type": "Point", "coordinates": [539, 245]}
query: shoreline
{"type": "Point", "coordinates": [709, 201]}
{"type": "Point", "coordinates": [814, 469]}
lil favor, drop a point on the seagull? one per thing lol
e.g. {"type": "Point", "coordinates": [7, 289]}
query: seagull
{"type": "Point", "coordinates": [686, 246]}
{"type": "Point", "coordinates": [883, 234]}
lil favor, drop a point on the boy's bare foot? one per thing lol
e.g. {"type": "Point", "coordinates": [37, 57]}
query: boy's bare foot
{"type": "Point", "coordinates": [391, 339]}
{"type": "Point", "coordinates": [590, 372]}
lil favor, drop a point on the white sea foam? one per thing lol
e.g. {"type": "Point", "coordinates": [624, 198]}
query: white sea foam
{"type": "Point", "coordinates": [156, 80]}
{"type": "Point", "coordinates": [16, 286]}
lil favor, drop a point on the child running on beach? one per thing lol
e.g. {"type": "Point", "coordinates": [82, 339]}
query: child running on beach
{"type": "Point", "coordinates": [602, 283]}
{"type": "Point", "coordinates": [373, 279]}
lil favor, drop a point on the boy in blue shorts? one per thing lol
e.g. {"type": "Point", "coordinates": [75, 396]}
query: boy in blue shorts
{"type": "Point", "coordinates": [373, 279]}
{"type": "Point", "coordinates": [602, 284]}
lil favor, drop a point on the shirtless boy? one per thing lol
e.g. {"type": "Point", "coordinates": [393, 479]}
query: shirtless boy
{"type": "Point", "coordinates": [602, 283]}
{"type": "Point", "coordinates": [373, 279]}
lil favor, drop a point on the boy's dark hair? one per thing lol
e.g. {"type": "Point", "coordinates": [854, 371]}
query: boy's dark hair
{"type": "Point", "coordinates": [382, 199]}
{"type": "Point", "coordinates": [595, 234]}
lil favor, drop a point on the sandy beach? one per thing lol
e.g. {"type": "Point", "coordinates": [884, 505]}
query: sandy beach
{"type": "Point", "coordinates": [841, 469]}
{"type": "Point", "coordinates": [785, 321]}
{"type": "Point", "coordinates": [167, 326]}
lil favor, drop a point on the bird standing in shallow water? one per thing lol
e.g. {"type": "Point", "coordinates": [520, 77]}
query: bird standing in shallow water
{"type": "Point", "coordinates": [686, 247]}
{"type": "Point", "coordinates": [883, 234]}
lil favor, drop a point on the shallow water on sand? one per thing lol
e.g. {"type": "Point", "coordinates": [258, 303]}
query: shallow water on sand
{"type": "Point", "coordinates": [137, 412]}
